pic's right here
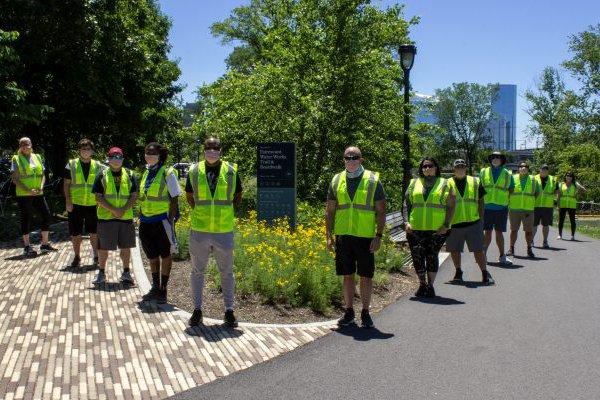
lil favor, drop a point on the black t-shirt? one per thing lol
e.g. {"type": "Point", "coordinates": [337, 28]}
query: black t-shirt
{"type": "Point", "coordinates": [461, 185]}
{"type": "Point", "coordinates": [545, 181]}
{"type": "Point", "coordinates": [352, 185]}
{"type": "Point", "coordinates": [212, 177]}
{"type": "Point", "coordinates": [99, 186]}
{"type": "Point", "coordinates": [85, 168]}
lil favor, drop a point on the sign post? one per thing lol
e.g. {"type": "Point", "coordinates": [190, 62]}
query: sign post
{"type": "Point", "coordinates": [276, 182]}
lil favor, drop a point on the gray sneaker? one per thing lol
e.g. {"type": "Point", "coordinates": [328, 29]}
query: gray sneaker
{"type": "Point", "coordinates": [505, 260]}
{"type": "Point", "coordinates": [126, 278]}
{"type": "Point", "coordinates": [100, 278]}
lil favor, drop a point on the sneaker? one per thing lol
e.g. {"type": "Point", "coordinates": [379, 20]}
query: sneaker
{"type": "Point", "coordinates": [530, 253]}
{"type": "Point", "coordinates": [151, 295]}
{"type": "Point", "coordinates": [365, 317]}
{"type": "Point", "coordinates": [126, 278]}
{"type": "Point", "coordinates": [430, 292]}
{"type": "Point", "coordinates": [559, 237]}
{"type": "Point", "coordinates": [76, 263]}
{"type": "Point", "coordinates": [95, 263]}
{"type": "Point", "coordinates": [487, 278]}
{"type": "Point", "coordinates": [573, 238]}
{"type": "Point", "coordinates": [161, 297]}
{"type": "Point", "coordinates": [458, 276]}
{"type": "Point", "coordinates": [229, 319]}
{"type": "Point", "coordinates": [504, 260]}
{"type": "Point", "coordinates": [546, 245]}
{"type": "Point", "coordinates": [47, 248]}
{"type": "Point", "coordinates": [347, 319]}
{"type": "Point", "coordinates": [29, 252]}
{"type": "Point", "coordinates": [100, 278]}
{"type": "Point", "coordinates": [196, 318]}
{"type": "Point", "coordinates": [421, 291]}
{"type": "Point", "coordinates": [511, 252]}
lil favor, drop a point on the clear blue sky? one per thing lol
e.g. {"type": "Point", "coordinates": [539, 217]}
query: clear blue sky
{"type": "Point", "coordinates": [483, 41]}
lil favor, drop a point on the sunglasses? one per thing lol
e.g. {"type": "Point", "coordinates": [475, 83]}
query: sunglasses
{"type": "Point", "coordinates": [216, 148]}
{"type": "Point", "coordinates": [496, 157]}
{"type": "Point", "coordinates": [115, 157]}
{"type": "Point", "coordinates": [351, 158]}
{"type": "Point", "coordinates": [523, 166]}
{"type": "Point", "coordinates": [428, 166]}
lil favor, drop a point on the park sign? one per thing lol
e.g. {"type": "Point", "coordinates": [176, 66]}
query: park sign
{"type": "Point", "coordinates": [276, 182]}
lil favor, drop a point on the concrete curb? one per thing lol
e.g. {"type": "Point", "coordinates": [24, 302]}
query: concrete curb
{"type": "Point", "coordinates": [144, 286]}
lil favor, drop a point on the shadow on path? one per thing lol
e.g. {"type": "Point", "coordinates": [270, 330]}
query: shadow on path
{"type": "Point", "coordinates": [362, 334]}
{"type": "Point", "coordinates": [443, 301]}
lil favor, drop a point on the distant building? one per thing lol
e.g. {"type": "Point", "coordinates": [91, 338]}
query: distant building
{"type": "Point", "coordinates": [502, 127]}
{"type": "Point", "coordinates": [422, 101]}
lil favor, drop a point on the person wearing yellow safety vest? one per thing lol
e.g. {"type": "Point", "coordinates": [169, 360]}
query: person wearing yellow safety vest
{"type": "Point", "coordinates": [544, 203]}
{"type": "Point", "coordinates": [521, 208]}
{"type": "Point", "coordinates": [429, 210]}
{"type": "Point", "coordinates": [498, 183]}
{"type": "Point", "coordinates": [27, 173]}
{"type": "Point", "coordinates": [355, 214]}
{"type": "Point", "coordinates": [80, 202]}
{"type": "Point", "coordinates": [213, 189]}
{"type": "Point", "coordinates": [567, 202]}
{"type": "Point", "coordinates": [159, 192]}
{"type": "Point", "coordinates": [467, 223]}
{"type": "Point", "coordinates": [116, 190]}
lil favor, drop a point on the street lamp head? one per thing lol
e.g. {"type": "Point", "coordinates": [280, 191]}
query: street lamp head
{"type": "Point", "coordinates": [407, 56]}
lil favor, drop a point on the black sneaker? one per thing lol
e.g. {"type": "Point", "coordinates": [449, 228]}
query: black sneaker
{"type": "Point", "coordinates": [546, 245]}
{"type": "Point", "coordinates": [530, 253]}
{"type": "Point", "coordinates": [100, 278]}
{"type": "Point", "coordinates": [29, 252]}
{"type": "Point", "coordinates": [161, 297]}
{"type": "Point", "coordinates": [347, 319]}
{"type": "Point", "coordinates": [457, 276]}
{"type": "Point", "coordinates": [47, 248]}
{"type": "Point", "coordinates": [95, 263]}
{"type": "Point", "coordinates": [196, 318]}
{"type": "Point", "coordinates": [76, 263]}
{"type": "Point", "coordinates": [365, 317]}
{"type": "Point", "coordinates": [487, 278]}
{"type": "Point", "coordinates": [229, 319]}
{"type": "Point", "coordinates": [422, 290]}
{"type": "Point", "coordinates": [430, 292]}
{"type": "Point", "coordinates": [126, 278]}
{"type": "Point", "coordinates": [151, 295]}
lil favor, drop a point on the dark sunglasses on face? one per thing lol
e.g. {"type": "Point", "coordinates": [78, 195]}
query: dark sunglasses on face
{"type": "Point", "coordinates": [496, 157]}
{"type": "Point", "coordinates": [216, 148]}
{"type": "Point", "coordinates": [523, 166]}
{"type": "Point", "coordinates": [428, 166]}
{"type": "Point", "coordinates": [115, 157]}
{"type": "Point", "coordinates": [351, 158]}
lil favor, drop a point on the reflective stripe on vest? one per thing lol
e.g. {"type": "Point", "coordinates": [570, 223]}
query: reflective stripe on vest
{"type": "Point", "coordinates": [523, 199]}
{"type": "Point", "coordinates": [546, 197]}
{"type": "Point", "coordinates": [467, 205]}
{"type": "Point", "coordinates": [427, 214]}
{"type": "Point", "coordinates": [213, 213]}
{"type": "Point", "coordinates": [495, 192]}
{"type": "Point", "coordinates": [568, 196]}
{"type": "Point", "coordinates": [30, 177]}
{"type": "Point", "coordinates": [356, 216]}
{"type": "Point", "coordinates": [155, 200]}
{"type": "Point", "coordinates": [114, 198]}
{"type": "Point", "coordinates": [81, 189]}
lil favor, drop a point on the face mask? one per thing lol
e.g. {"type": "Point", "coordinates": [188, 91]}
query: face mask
{"type": "Point", "coordinates": [212, 156]}
{"type": "Point", "coordinates": [115, 163]}
{"type": "Point", "coordinates": [151, 159]}
{"type": "Point", "coordinates": [85, 154]}
{"type": "Point", "coordinates": [352, 165]}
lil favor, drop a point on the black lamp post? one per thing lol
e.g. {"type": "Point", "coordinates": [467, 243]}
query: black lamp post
{"type": "Point", "coordinates": [198, 142]}
{"type": "Point", "coordinates": [407, 58]}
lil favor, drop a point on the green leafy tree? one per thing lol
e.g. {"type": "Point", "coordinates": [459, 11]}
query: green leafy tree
{"type": "Point", "coordinates": [321, 74]}
{"type": "Point", "coordinates": [463, 112]}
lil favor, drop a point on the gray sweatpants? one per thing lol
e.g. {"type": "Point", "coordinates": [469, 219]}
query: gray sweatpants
{"type": "Point", "coordinates": [201, 245]}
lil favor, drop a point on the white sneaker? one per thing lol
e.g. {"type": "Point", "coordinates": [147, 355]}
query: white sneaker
{"type": "Point", "coordinates": [505, 260]}
{"type": "Point", "coordinates": [559, 237]}
{"type": "Point", "coordinates": [572, 237]}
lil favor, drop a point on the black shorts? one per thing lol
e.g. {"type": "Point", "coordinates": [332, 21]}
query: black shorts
{"type": "Point", "coordinates": [352, 255]}
{"type": "Point", "coordinates": [155, 241]}
{"type": "Point", "coordinates": [543, 215]}
{"type": "Point", "coordinates": [80, 217]}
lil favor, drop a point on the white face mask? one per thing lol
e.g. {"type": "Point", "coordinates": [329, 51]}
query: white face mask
{"type": "Point", "coordinates": [151, 159]}
{"type": "Point", "coordinates": [212, 156]}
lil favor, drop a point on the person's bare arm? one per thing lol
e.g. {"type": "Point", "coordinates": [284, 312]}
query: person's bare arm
{"type": "Point", "coordinates": [103, 203]}
{"type": "Point", "coordinates": [237, 200]}
{"type": "Point", "coordinates": [380, 207]}
{"type": "Point", "coordinates": [481, 207]}
{"type": "Point", "coordinates": [67, 192]}
{"type": "Point", "coordinates": [172, 208]}
{"type": "Point", "coordinates": [15, 179]}
{"type": "Point", "coordinates": [330, 207]}
{"type": "Point", "coordinates": [450, 208]}
{"type": "Point", "coordinates": [190, 199]}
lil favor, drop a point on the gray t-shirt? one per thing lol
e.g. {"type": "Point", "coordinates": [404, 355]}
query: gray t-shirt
{"type": "Point", "coordinates": [352, 185]}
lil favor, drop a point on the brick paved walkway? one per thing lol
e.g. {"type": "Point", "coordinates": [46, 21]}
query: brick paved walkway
{"type": "Point", "coordinates": [62, 338]}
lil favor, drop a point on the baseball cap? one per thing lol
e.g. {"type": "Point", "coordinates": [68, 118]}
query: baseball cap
{"type": "Point", "coordinates": [460, 163]}
{"type": "Point", "coordinates": [545, 166]}
{"type": "Point", "coordinates": [115, 150]}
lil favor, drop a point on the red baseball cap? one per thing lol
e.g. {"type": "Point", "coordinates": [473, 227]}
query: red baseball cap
{"type": "Point", "coordinates": [115, 150]}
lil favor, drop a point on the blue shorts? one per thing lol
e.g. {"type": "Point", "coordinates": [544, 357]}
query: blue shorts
{"type": "Point", "coordinates": [495, 220]}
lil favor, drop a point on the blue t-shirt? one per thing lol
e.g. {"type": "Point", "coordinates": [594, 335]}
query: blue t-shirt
{"type": "Point", "coordinates": [511, 186]}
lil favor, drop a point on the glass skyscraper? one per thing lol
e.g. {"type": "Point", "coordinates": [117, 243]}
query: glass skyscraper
{"type": "Point", "coordinates": [502, 127]}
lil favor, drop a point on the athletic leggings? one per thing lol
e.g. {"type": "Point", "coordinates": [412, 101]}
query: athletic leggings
{"type": "Point", "coordinates": [26, 206]}
{"type": "Point", "coordinates": [424, 248]}
{"type": "Point", "coordinates": [561, 219]}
